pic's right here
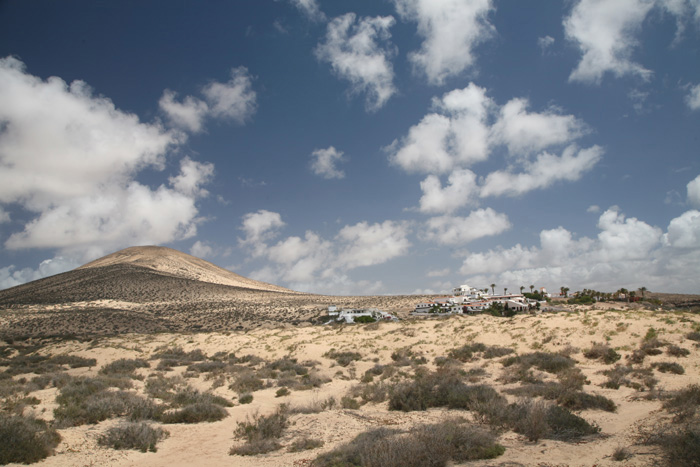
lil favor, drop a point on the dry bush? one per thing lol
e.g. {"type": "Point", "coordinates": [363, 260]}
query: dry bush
{"type": "Point", "coordinates": [426, 445]}
{"type": "Point", "coordinates": [684, 403]}
{"type": "Point", "coordinates": [247, 381]}
{"type": "Point", "coordinates": [25, 440]}
{"type": "Point", "coordinates": [196, 413]}
{"type": "Point", "coordinates": [261, 432]}
{"type": "Point", "coordinates": [676, 351]}
{"type": "Point", "coordinates": [603, 352]}
{"type": "Point", "coordinates": [543, 361]}
{"type": "Point", "coordinates": [669, 367]}
{"type": "Point", "coordinates": [305, 444]}
{"type": "Point", "coordinates": [124, 367]}
{"type": "Point", "coordinates": [343, 358]}
{"type": "Point", "coordinates": [139, 436]}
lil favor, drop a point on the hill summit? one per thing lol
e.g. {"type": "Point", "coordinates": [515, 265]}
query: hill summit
{"type": "Point", "coordinates": [176, 263]}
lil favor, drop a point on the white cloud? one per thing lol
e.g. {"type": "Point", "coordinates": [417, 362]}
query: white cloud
{"type": "Point", "coordinates": [467, 126]}
{"type": "Point", "coordinates": [10, 276]}
{"type": "Point", "coordinates": [234, 99]}
{"type": "Point", "coordinates": [605, 31]}
{"type": "Point", "coordinates": [70, 159]}
{"type": "Point", "coordinates": [626, 253]}
{"type": "Point", "coordinates": [455, 230]}
{"type": "Point", "coordinates": [593, 208]}
{"type": "Point", "coordinates": [438, 272]}
{"type": "Point", "coordinates": [4, 215]}
{"type": "Point", "coordinates": [260, 227]}
{"type": "Point", "coordinates": [201, 250]}
{"type": "Point", "coordinates": [525, 132]}
{"type": "Point", "coordinates": [323, 162]}
{"type": "Point", "coordinates": [543, 172]}
{"type": "Point", "coordinates": [188, 115]}
{"type": "Point", "coordinates": [192, 176]}
{"type": "Point", "coordinates": [684, 231]}
{"type": "Point", "coordinates": [458, 136]}
{"type": "Point", "coordinates": [451, 29]}
{"type": "Point", "coordinates": [544, 43]}
{"type": "Point", "coordinates": [359, 51]}
{"type": "Point", "coordinates": [366, 245]}
{"type": "Point", "coordinates": [693, 97]}
{"type": "Point", "coordinates": [310, 9]}
{"type": "Point", "coordinates": [694, 191]}
{"type": "Point", "coordinates": [461, 190]}
{"type": "Point", "coordinates": [319, 265]}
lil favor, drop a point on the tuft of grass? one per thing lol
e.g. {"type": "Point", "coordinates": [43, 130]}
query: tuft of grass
{"type": "Point", "coordinates": [620, 454]}
{"type": "Point", "coordinates": [138, 436]}
{"type": "Point", "coordinates": [25, 440]}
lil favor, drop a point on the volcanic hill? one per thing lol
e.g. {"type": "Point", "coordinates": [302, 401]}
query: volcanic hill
{"type": "Point", "coordinates": [157, 289]}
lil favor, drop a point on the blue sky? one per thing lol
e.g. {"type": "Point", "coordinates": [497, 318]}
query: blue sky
{"type": "Point", "coordinates": [365, 147]}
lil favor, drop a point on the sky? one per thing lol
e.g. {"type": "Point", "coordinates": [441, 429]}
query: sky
{"type": "Point", "coordinates": [357, 147]}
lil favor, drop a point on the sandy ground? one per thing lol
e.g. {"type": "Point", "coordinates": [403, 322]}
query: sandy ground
{"type": "Point", "coordinates": [208, 444]}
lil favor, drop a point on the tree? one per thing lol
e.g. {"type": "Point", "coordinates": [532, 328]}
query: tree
{"type": "Point", "coordinates": [522, 287]}
{"type": "Point", "coordinates": [505, 290]}
{"type": "Point", "coordinates": [643, 289]}
{"type": "Point", "coordinates": [493, 287]}
{"type": "Point", "coordinates": [564, 291]}
{"type": "Point", "coordinates": [531, 288]}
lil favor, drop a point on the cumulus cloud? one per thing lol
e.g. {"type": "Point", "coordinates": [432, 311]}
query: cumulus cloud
{"type": "Point", "coordinates": [359, 51]}
{"type": "Point", "coordinates": [188, 115]}
{"type": "Point", "coordinates": [324, 161]}
{"type": "Point", "coordinates": [455, 230]}
{"type": "Point", "coordinates": [543, 172]}
{"type": "Point", "coordinates": [461, 190]}
{"type": "Point", "coordinates": [234, 99]}
{"type": "Point", "coordinates": [10, 276]}
{"type": "Point", "coordinates": [606, 33]}
{"type": "Point", "coordinates": [312, 263]}
{"type": "Point", "coordinates": [467, 126]}
{"type": "Point", "coordinates": [455, 134]}
{"type": "Point", "coordinates": [525, 132]}
{"type": "Point", "coordinates": [69, 159]}
{"type": "Point", "coordinates": [259, 227]}
{"type": "Point", "coordinates": [627, 252]}
{"type": "Point", "coordinates": [544, 43]}
{"type": "Point", "coordinates": [201, 250]}
{"type": "Point", "coordinates": [310, 9]}
{"type": "Point", "coordinates": [694, 191]}
{"type": "Point", "coordinates": [451, 29]}
{"type": "Point", "coordinates": [366, 245]}
{"type": "Point", "coordinates": [693, 97]}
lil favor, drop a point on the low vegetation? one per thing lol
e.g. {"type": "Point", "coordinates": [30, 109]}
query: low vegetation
{"type": "Point", "coordinates": [139, 436]}
{"type": "Point", "coordinates": [25, 440]}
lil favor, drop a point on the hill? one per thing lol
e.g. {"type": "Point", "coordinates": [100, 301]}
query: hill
{"type": "Point", "coordinates": [157, 289]}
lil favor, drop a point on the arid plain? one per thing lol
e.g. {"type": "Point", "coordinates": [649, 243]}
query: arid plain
{"type": "Point", "coordinates": [216, 369]}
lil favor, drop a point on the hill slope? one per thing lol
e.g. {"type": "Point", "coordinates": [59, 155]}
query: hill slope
{"type": "Point", "coordinates": [178, 264]}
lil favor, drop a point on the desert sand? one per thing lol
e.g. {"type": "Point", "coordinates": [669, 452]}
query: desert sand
{"type": "Point", "coordinates": [209, 443]}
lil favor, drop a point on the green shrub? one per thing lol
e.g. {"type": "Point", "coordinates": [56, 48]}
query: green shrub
{"type": "Point", "coordinates": [347, 402]}
{"type": "Point", "coordinates": [364, 319]}
{"type": "Point", "coordinates": [189, 396]}
{"type": "Point", "coordinates": [565, 425]}
{"type": "Point", "coordinates": [138, 436]}
{"type": "Point", "coordinates": [245, 398]}
{"type": "Point", "coordinates": [25, 440]}
{"type": "Point", "coordinates": [549, 362]}
{"type": "Point", "coordinates": [281, 392]}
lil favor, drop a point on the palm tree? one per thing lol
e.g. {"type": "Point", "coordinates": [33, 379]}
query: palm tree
{"type": "Point", "coordinates": [521, 289]}
{"type": "Point", "coordinates": [643, 289]}
{"type": "Point", "coordinates": [505, 290]}
{"type": "Point", "coordinates": [531, 288]}
{"type": "Point", "coordinates": [493, 286]}
{"type": "Point", "coordinates": [564, 291]}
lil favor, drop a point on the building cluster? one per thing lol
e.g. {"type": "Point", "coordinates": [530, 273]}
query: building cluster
{"type": "Point", "coordinates": [348, 315]}
{"type": "Point", "coordinates": [467, 299]}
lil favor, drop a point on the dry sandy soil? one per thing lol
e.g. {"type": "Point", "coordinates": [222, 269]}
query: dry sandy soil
{"type": "Point", "coordinates": [575, 330]}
